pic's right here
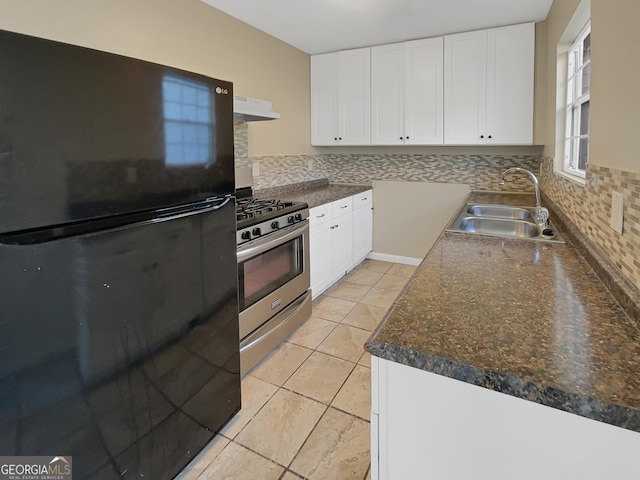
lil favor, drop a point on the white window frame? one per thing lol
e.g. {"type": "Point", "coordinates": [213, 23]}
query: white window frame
{"type": "Point", "coordinates": [576, 98]}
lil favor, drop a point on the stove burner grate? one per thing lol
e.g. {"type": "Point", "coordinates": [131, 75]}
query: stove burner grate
{"type": "Point", "coordinates": [254, 207]}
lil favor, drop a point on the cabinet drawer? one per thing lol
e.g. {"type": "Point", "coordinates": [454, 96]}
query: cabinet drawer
{"type": "Point", "coordinates": [363, 199]}
{"type": "Point", "coordinates": [340, 207]}
{"type": "Point", "coordinates": [320, 214]}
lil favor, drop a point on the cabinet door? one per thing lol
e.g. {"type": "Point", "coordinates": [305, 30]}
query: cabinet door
{"type": "Point", "coordinates": [387, 94]}
{"type": "Point", "coordinates": [324, 99]}
{"type": "Point", "coordinates": [362, 233]}
{"type": "Point", "coordinates": [342, 228]}
{"type": "Point", "coordinates": [362, 226]}
{"type": "Point", "coordinates": [354, 97]}
{"type": "Point", "coordinates": [465, 87]}
{"type": "Point", "coordinates": [424, 92]}
{"type": "Point", "coordinates": [426, 423]}
{"type": "Point", "coordinates": [320, 257]}
{"type": "Point", "coordinates": [510, 76]}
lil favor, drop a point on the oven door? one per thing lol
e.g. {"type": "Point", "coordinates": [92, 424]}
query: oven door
{"type": "Point", "coordinates": [272, 273]}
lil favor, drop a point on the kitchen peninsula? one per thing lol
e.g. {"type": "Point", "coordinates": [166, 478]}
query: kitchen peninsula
{"type": "Point", "coordinates": [505, 358]}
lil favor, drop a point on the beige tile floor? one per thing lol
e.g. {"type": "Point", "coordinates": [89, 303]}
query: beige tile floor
{"type": "Point", "coordinates": [305, 408]}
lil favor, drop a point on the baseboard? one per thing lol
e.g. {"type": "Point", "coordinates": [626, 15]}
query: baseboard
{"type": "Point", "coordinates": [385, 257]}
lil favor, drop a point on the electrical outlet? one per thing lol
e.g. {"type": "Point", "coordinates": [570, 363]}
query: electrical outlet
{"type": "Point", "coordinates": [617, 211]}
{"type": "Point", "coordinates": [256, 169]}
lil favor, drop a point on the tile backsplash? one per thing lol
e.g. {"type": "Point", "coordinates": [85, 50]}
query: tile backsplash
{"type": "Point", "coordinates": [589, 208]}
{"type": "Point", "coordinates": [241, 144]}
{"type": "Point", "coordinates": [481, 172]}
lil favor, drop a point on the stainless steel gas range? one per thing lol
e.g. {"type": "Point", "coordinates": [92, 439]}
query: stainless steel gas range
{"type": "Point", "coordinates": [273, 272]}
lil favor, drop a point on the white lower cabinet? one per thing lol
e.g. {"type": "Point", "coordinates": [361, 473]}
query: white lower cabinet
{"type": "Point", "coordinates": [330, 243]}
{"type": "Point", "coordinates": [429, 426]}
{"type": "Point", "coordinates": [362, 225]}
{"type": "Point", "coordinates": [335, 229]}
{"type": "Point", "coordinates": [320, 248]}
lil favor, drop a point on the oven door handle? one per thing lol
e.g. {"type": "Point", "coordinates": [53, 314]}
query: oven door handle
{"type": "Point", "coordinates": [251, 250]}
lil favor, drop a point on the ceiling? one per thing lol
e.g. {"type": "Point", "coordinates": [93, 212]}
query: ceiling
{"type": "Point", "coordinates": [319, 26]}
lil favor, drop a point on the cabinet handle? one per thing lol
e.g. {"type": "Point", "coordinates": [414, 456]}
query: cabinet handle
{"type": "Point", "coordinates": [320, 216]}
{"type": "Point", "coordinates": [336, 226]}
{"type": "Point", "coordinates": [407, 137]}
{"type": "Point", "coordinates": [364, 198]}
{"type": "Point", "coordinates": [401, 138]}
{"type": "Point", "coordinates": [345, 206]}
{"type": "Point", "coordinates": [481, 136]}
{"type": "Point", "coordinates": [489, 136]}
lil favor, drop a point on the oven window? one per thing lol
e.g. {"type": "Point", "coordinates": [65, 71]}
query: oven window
{"type": "Point", "coordinates": [268, 271]}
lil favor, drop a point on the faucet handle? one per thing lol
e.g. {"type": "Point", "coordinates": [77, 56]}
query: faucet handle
{"type": "Point", "coordinates": [542, 216]}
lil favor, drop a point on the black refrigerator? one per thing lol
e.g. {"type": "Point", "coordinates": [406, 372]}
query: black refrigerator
{"type": "Point", "coordinates": [118, 284]}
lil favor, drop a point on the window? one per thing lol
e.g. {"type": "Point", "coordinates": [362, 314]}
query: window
{"type": "Point", "coordinates": [187, 122]}
{"type": "Point", "coordinates": [576, 147]}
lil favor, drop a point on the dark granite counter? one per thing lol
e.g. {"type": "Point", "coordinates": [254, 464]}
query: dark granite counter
{"type": "Point", "coordinates": [524, 318]}
{"type": "Point", "coordinates": [318, 195]}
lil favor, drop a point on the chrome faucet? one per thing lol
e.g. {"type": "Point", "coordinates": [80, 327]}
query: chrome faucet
{"type": "Point", "coordinates": [541, 214]}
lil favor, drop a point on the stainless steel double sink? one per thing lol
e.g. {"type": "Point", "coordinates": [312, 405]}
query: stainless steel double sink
{"type": "Point", "coordinates": [501, 221]}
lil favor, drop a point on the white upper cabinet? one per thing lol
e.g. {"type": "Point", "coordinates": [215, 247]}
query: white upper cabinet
{"type": "Point", "coordinates": [387, 94]}
{"type": "Point", "coordinates": [324, 99]}
{"type": "Point", "coordinates": [471, 88]}
{"type": "Point", "coordinates": [510, 83]}
{"type": "Point", "coordinates": [341, 98]}
{"type": "Point", "coordinates": [488, 86]}
{"type": "Point", "coordinates": [407, 93]}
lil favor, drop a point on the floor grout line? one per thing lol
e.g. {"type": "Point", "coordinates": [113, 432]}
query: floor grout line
{"type": "Point", "coordinates": [326, 406]}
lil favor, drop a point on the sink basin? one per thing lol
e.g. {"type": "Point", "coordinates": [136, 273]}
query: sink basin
{"type": "Point", "coordinates": [500, 211]}
{"type": "Point", "coordinates": [501, 221]}
{"type": "Point", "coordinates": [499, 226]}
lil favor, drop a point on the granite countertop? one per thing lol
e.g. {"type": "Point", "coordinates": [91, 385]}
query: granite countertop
{"type": "Point", "coordinates": [529, 319]}
{"type": "Point", "coordinates": [319, 195]}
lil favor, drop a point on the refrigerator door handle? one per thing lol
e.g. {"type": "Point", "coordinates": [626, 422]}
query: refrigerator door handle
{"type": "Point", "coordinates": [189, 213]}
{"type": "Point", "coordinates": [113, 224]}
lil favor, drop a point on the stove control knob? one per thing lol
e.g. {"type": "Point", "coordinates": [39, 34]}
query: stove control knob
{"type": "Point", "coordinates": [246, 235]}
{"type": "Point", "coordinates": [275, 225]}
{"type": "Point", "coordinates": [298, 217]}
{"type": "Point", "coordinates": [290, 219]}
{"type": "Point", "coordinates": [257, 232]}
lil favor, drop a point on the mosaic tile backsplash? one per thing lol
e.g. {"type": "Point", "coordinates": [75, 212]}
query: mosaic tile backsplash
{"type": "Point", "coordinates": [589, 208]}
{"type": "Point", "coordinates": [241, 144]}
{"type": "Point", "coordinates": [481, 172]}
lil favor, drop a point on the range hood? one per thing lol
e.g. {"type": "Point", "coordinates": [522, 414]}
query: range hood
{"type": "Point", "coordinates": [247, 109]}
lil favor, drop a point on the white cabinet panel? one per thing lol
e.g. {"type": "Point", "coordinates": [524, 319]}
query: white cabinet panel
{"type": "Point", "coordinates": [340, 98]}
{"type": "Point", "coordinates": [362, 226]}
{"type": "Point", "coordinates": [320, 249]}
{"type": "Point", "coordinates": [337, 230]}
{"type": "Point", "coordinates": [465, 97]}
{"type": "Point", "coordinates": [510, 77]}
{"type": "Point", "coordinates": [330, 243]}
{"type": "Point", "coordinates": [342, 257]}
{"type": "Point", "coordinates": [387, 94]}
{"type": "Point", "coordinates": [427, 423]}
{"type": "Point", "coordinates": [407, 93]}
{"type": "Point", "coordinates": [424, 92]}
{"type": "Point", "coordinates": [354, 97]}
{"type": "Point", "coordinates": [324, 99]}
{"type": "Point", "coordinates": [488, 91]}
